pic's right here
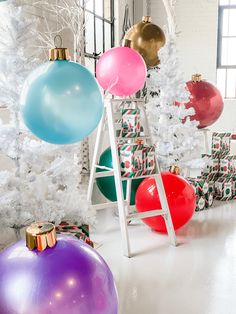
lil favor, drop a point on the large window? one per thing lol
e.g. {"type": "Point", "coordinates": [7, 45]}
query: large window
{"type": "Point", "coordinates": [99, 29]}
{"type": "Point", "coordinates": [226, 58]}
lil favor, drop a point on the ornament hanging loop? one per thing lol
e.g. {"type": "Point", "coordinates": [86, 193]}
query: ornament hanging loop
{"type": "Point", "coordinates": [58, 53]}
{"type": "Point", "coordinates": [58, 41]}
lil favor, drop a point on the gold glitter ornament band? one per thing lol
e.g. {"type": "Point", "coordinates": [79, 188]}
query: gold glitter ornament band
{"type": "Point", "coordinates": [196, 77]}
{"type": "Point", "coordinates": [40, 235]}
{"type": "Point", "coordinates": [59, 54]}
{"type": "Point", "coordinates": [174, 169]}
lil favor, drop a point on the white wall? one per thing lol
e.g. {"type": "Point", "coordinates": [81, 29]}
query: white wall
{"type": "Point", "coordinates": [197, 45]}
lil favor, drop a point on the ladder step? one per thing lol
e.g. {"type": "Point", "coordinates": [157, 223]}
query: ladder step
{"type": "Point", "coordinates": [121, 100]}
{"type": "Point", "coordinates": [151, 213]}
{"type": "Point", "coordinates": [104, 168]}
{"type": "Point", "coordinates": [141, 177]}
{"type": "Point", "coordinates": [102, 174]}
{"type": "Point", "coordinates": [105, 205]}
{"type": "Point", "coordinates": [110, 173]}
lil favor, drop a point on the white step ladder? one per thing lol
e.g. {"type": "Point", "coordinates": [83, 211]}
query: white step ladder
{"type": "Point", "coordinates": [126, 211]}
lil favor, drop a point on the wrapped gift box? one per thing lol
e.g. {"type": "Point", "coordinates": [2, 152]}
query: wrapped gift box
{"type": "Point", "coordinates": [215, 166]}
{"type": "Point", "coordinates": [200, 185]}
{"type": "Point", "coordinates": [221, 144]}
{"type": "Point", "coordinates": [149, 165]}
{"type": "Point", "coordinates": [209, 198]}
{"type": "Point", "coordinates": [207, 164]}
{"type": "Point", "coordinates": [211, 177]}
{"type": "Point", "coordinates": [200, 203]}
{"type": "Point", "coordinates": [224, 166]}
{"type": "Point", "coordinates": [232, 163]}
{"type": "Point", "coordinates": [130, 123]}
{"type": "Point", "coordinates": [224, 188]}
{"type": "Point", "coordinates": [80, 232]}
{"type": "Point", "coordinates": [131, 160]}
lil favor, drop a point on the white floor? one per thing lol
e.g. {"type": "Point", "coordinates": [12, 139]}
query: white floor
{"type": "Point", "coordinates": [197, 277]}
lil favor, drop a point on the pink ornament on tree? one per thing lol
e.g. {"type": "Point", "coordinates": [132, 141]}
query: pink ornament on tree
{"type": "Point", "coordinates": [121, 71]}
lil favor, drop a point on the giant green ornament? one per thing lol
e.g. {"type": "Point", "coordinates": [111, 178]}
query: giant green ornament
{"type": "Point", "coordinates": [107, 184]}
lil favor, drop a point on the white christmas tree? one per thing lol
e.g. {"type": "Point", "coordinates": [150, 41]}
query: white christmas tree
{"type": "Point", "coordinates": [44, 180]}
{"type": "Point", "coordinates": [176, 137]}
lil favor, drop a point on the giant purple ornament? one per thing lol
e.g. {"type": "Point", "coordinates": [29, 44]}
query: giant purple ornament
{"type": "Point", "coordinates": [70, 278]}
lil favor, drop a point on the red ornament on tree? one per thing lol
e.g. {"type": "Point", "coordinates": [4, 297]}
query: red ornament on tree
{"type": "Point", "coordinates": [206, 99]}
{"type": "Point", "coordinates": [180, 196]}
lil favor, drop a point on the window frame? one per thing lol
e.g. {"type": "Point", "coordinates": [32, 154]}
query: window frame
{"type": "Point", "coordinates": [220, 36]}
{"type": "Point", "coordinates": [95, 55]}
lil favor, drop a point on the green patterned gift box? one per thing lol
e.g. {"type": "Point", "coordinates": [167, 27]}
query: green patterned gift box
{"type": "Point", "coordinates": [211, 177]}
{"type": "Point", "coordinates": [221, 144]}
{"type": "Point", "coordinates": [204, 191]}
{"type": "Point", "coordinates": [80, 232]}
{"type": "Point", "coordinates": [211, 165]}
{"type": "Point", "coordinates": [224, 188]}
{"type": "Point", "coordinates": [209, 199]}
{"type": "Point", "coordinates": [130, 123]}
{"type": "Point", "coordinates": [207, 164]}
{"type": "Point", "coordinates": [228, 165]}
{"type": "Point", "coordinates": [200, 185]}
{"type": "Point", "coordinates": [131, 160]}
{"type": "Point", "coordinates": [200, 203]}
{"type": "Point", "coordinates": [149, 165]}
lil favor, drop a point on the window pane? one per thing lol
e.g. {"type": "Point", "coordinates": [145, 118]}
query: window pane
{"type": "Point", "coordinates": [107, 36]}
{"type": "Point", "coordinates": [224, 2]}
{"type": "Point", "coordinates": [225, 26]}
{"type": "Point", "coordinates": [232, 22]}
{"type": "Point", "coordinates": [89, 32]}
{"type": "Point", "coordinates": [229, 22]}
{"type": "Point", "coordinates": [232, 1]}
{"type": "Point", "coordinates": [99, 36]}
{"type": "Point", "coordinates": [228, 56]}
{"type": "Point", "coordinates": [89, 5]}
{"type": "Point", "coordinates": [221, 79]}
{"type": "Point", "coordinates": [107, 9]}
{"type": "Point", "coordinates": [89, 63]}
{"type": "Point", "coordinates": [231, 83]}
{"type": "Point", "coordinates": [99, 7]}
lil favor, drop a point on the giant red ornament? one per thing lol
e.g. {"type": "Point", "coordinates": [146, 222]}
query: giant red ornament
{"type": "Point", "coordinates": [180, 196]}
{"type": "Point", "coordinates": [206, 99]}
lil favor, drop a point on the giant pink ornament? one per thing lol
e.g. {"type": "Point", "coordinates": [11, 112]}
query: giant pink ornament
{"type": "Point", "coordinates": [121, 71]}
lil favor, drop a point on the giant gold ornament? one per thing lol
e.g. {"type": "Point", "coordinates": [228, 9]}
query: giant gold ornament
{"type": "Point", "coordinates": [146, 38]}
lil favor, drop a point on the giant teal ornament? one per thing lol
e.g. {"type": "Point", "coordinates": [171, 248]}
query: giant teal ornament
{"type": "Point", "coordinates": [61, 102]}
{"type": "Point", "coordinates": [107, 186]}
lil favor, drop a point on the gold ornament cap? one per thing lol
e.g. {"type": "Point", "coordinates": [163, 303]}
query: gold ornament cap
{"type": "Point", "coordinates": [175, 169]}
{"type": "Point", "coordinates": [126, 43]}
{"type": "Point", "coordinates": [147, 19]}
{"type": "Point", "coordinates": [196, 77]}
{"type": "Point", "coordinates": [59, 54]}
{"type": "Point", "coordinates": [40, 235]}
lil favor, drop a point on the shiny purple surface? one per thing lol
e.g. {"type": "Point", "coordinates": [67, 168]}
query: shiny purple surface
{"type": "Point", "coordinates": [70, 278]}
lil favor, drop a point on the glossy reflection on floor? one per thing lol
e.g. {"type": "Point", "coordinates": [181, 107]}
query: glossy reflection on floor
{"type": "Point", "coordinates": [197, 277]}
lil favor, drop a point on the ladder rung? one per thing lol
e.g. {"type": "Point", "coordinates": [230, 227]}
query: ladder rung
{"type": "Point", "coordinates": [151, 213]}
{"type": "Point", "coordinates": [139, 100]}
{"type": "Point", "coordinates": [105, 205]}
{"type": "Point", "coordinates": [104, 168]}
{"type": "Point", "coordinates": [133, 138]}
{"type": "Point", "coordinates": [141, 177]}
{"type": "Point", "coordinates": [102, 174]}
{"type": "Point", "coordinates": [110, 173]}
